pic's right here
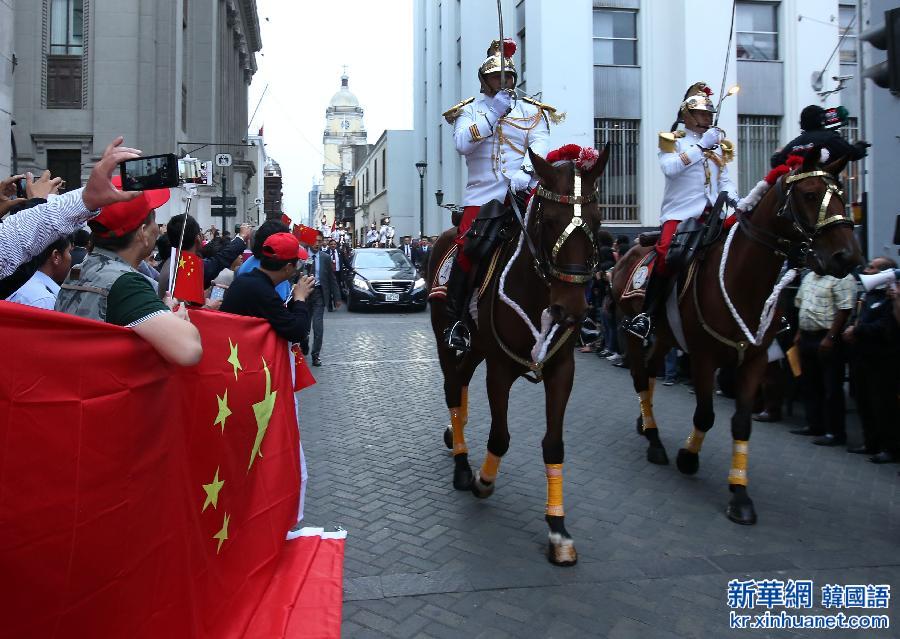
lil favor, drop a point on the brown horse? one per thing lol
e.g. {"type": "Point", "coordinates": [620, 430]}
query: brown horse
{"type": "Point", "coordinates": [800, 218]}
{"type": "Point", "coordinates": [542, 273]}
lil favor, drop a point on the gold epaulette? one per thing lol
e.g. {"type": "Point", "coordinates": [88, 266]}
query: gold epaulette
{"type": "Point", "coordinates": [453, 112]}
{"type": "Point", "coordinates": [667, 140]}
{"type": "Point", "coordinates": [555, 116]}
{"type": "Point", "coordinates": [727, 150]}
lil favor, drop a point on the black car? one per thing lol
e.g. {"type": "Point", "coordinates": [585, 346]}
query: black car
{"type": "Point", "coordinates": [385, 277]}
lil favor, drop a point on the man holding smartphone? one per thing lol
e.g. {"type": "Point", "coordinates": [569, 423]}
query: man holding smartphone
{"type": "Point", "coordinates": [325, 293]}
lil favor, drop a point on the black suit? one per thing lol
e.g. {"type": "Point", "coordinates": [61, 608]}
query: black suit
{"type": "Point", "coordinates": [323, 295]}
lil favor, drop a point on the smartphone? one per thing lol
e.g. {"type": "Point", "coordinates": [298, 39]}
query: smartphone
{"type": "Point", "coordinates": [20, 189]}
{"type": "Point", "coordinates": [150, 172]}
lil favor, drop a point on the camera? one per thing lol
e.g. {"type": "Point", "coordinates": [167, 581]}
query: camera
{"type": "Point", "coordinates": [160, 172]}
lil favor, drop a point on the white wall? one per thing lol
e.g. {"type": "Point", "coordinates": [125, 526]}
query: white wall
{"type": "Point", "coordinates": [7, 27]}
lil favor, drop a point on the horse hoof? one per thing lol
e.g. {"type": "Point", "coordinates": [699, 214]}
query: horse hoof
{"type": "Point", "coordinates": [640, 425]}
{"type": "Point", "coordinates": [740, 510]}
{"type": "Point", "coordinates": [448, 437]}
{"type": "Point", "coordinates": [688, 463]}
{"type": "Point", "coordinates": [561, 550]}
{"type": "Point", "coordinates": [462, 476]}
{"type": "Point", "coordinates": [482, 489]}
{"type": "Point", "coordinates": [657, 455]}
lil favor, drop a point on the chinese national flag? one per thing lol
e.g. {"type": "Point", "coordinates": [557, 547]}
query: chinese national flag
{"type": "Point", "coordinates": [303, 377]}
{"type": "Point", "coordinates": [286, 220]}
{"type": "Point", "coordinates": [305, 234]}
{"type": "Point", "coordinates": [189, 283]}
{"type": "Point", "coordinates": [141, 499]}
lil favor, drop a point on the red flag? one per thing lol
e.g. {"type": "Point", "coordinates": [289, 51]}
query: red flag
{"type": "Point", "coordinates": [286, 220]}
{"type": "Point", "coordinates": [333, 225]}
{"type": "Point", "coordinates": [189, 282]}
{"type": "Point", "coordinates": [305, 234]}
{"type": "Point", "coordinates": [141, 499]}
{"type": "Point", "coordinates": [303, 377]}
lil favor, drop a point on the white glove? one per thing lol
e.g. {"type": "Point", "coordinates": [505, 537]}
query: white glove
{"type": "Point", "coordinates": [711, 138]}
{"type": "Point", "coordinates": [519, 181]}
{"type": "Point", "coordinates": [500, 105]}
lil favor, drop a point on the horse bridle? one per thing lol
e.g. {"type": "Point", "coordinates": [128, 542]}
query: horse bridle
{"type": "Point", "coordinates": [796, 251]}
{"type": "Point", "coordinates": [569, 273]}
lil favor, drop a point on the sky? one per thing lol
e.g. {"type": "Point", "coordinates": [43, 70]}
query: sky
{"type": "Point", "coordinates": [305, 44]}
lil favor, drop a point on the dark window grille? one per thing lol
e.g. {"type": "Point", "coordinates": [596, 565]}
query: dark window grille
{"type": "Point", "coordinates": [758, 137]}
{"type": "Point", "coordinates": [619, 182]}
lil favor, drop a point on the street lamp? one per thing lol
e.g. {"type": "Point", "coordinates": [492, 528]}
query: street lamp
{"type": "Point", "coordinates": [420, 167]}
{"type": "Point", "coordinates": [439, 196]}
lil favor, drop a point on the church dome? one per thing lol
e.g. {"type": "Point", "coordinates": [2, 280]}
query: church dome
{"type": "Point", "coordinates": [344, 98]}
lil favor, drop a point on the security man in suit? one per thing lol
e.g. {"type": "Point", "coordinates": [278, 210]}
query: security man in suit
{"type": "Point", "coordinates": [325, 293]}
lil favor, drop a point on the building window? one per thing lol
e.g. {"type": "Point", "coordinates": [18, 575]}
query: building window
{"type": "Point", "coordinates": [383, 167]}
{"type": "Point", "coordinates": [851, 183]}
{"type": "Point", "coordinates": [459, 52]}
{"type": "Point", "coordinates": [185, 11]}
{"type": "Point", "coordinates": [847, 13]}
{"type": "Point", "coordinates": [66, 27]}
{"type": "Point", "coordinates": [65, 163]}
{"type": "Point", "coordinates": [520, 20]}
{"type": "Point", "coordinates": [757, 31]}
{"type": "Point", "coordinates": [619, 182]}
{"type": "Point", "coordinates": [615, 37]}
{"type": "Point", "coordinates": [64, 62]}
{"type": "Point", "coordinates": [758, 137]}
{"type": "Point", "coordinates": [375, 165]}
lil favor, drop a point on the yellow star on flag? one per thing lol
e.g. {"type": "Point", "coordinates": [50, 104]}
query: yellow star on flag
{"type": "Point", "coordinates": [181, 262]}
{"type": "Point", "coordinates": [263, 411]}
{"type": "Point", "coordinates": [233, 358]}
{"type": "Point", "coordinates": [222, 535]}
{"type": "Point", "coordinates": [212, 492]}
{"type": "Point", "coordinates": [224, 411]}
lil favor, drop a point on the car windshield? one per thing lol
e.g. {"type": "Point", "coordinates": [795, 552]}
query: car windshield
{"type": "Point", "coordinates": [380, 259]}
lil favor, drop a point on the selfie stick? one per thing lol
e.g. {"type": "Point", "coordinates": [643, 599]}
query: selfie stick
{"type": "Point", "coordinates": [189, 190]}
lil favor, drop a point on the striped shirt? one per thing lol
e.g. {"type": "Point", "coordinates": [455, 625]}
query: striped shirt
{"type": "Point", "coordinates": [820, 298]}
{"type": "Point", "coordinates": [27, 233]}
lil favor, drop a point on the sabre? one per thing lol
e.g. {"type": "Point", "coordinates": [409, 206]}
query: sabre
{"type": "Point", "coordinates": [735, 88]}
{"type": "Point", "coordinates": [502, 60]}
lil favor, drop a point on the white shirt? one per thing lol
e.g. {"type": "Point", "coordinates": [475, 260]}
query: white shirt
{"type": "Point", "coordinates": [687, 194]}
{"type": "Point", "coordinates": [371, 236]}
{"type": "Point", "coordinates": [27, 233]}
{"type": "Point", "coordinates": [491, 163]}
{"type": "Point", "coordinates": [39, 291]}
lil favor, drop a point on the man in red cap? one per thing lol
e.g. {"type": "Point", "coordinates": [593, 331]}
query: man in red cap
{"type": "Point", "coordinates": [253, 294]}
{"type": "Point", "coordinates": [111, 289]}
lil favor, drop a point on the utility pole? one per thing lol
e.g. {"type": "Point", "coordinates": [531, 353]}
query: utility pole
{"type": "Point", "coordinates": [224, 208]}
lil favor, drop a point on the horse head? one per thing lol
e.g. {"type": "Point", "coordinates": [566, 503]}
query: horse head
{"type": "Point", "coordinates": [814, 208]}
{"type": "Point", "coordinates": [564, 220]}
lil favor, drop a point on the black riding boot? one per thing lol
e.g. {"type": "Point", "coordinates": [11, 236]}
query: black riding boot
{"type": "Point", "coordinates": [457, 335]}
{"type": "Point", "coordinates": [641, 325]}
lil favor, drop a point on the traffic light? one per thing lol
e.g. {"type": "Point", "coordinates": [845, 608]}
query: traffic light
{"type": "Point", "coordinates": [887, 38]}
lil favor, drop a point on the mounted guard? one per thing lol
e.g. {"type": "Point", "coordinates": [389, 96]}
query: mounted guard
{"type": "Point", "coordinates": [694, 161]}
{"type": "Point", "coordinates": [494, 132]}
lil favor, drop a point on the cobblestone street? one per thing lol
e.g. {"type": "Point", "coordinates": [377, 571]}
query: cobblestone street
{"type": "Point", "coordinates": [655, 549]}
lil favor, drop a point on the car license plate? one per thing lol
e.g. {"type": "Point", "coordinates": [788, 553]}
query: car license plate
{"type": "Point", "coordinates": [392, 297]}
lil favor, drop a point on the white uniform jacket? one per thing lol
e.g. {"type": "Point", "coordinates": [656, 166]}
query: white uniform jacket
{"type": "Point", "coordinates": [693, 180]}
{"type": "Point", "coordinates": [494, 155]}
{"type": "Point", "coordinates": [371, 236]}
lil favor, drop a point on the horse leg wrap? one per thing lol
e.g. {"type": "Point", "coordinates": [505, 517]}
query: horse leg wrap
{"type": "Point", "coordinates": [738, 473]}
{"type": "Point", "coordinates": [464, 405]}
{"type": "Point", "coordinates": [490, 468]}
{"type": "Point", "coordinates": [459, 438]}
{"type": "Point", "coordinates": [695, 441]}
{"type": "Point", "coordinates": [646, 399]}
{"type": "Point", "coordinates": [554, 490]}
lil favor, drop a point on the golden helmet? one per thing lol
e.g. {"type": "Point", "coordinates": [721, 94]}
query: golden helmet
{"type": "Point", "coordinates": [492, 63]}
{"type": "Point", "coordinates": [697, 97]}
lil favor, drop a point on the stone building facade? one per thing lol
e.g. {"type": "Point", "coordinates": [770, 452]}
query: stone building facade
{"type": "Point", "coordinates": [170, 75]}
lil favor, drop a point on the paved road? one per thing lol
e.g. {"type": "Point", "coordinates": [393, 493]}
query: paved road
{"type": "Point", "coordinates": [655, 549]}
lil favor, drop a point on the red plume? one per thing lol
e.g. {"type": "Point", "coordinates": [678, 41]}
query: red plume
{"type": "Point", "coordinates": [509, 48]}
{"type": "Point", "coordinates": [707, 91]}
